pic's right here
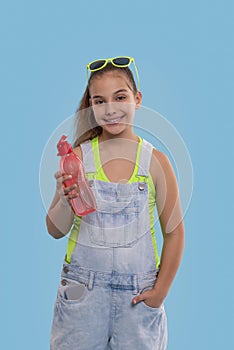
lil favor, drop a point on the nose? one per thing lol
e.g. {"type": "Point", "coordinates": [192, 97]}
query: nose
{"type": "Point", "coordinates": [109, 109]}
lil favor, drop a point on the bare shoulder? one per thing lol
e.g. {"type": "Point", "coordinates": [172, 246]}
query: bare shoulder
{"type": "Point", "coordinates": [160, 165]}
{"type": "Point", "coordinates": [159, 156]}
{"type": "Point", "coordinates": [77, 150]}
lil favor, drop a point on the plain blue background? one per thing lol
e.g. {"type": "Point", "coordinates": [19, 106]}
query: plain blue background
{"type": "Point", "coordinates": [184, 52]}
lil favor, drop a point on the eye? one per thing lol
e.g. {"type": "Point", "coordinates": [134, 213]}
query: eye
{"type": "Point", "coordinates": [98, 102]}
{"type": "Point", "coordinates": [121, 98]}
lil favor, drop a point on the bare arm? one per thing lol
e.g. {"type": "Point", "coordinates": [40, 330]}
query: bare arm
{"type": "Point", "coordinates": [59, 218]}
{"type": "Point", "coordinates": [171, 221]}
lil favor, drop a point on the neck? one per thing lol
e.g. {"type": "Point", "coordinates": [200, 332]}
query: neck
{"type": "Point", "coordinates": [121, 138]}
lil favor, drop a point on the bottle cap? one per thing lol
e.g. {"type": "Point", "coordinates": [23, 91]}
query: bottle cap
{"type": "Point", "coordinates": [63, 147]}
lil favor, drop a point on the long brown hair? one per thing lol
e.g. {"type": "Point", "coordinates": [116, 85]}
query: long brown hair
{"type": "Point", "coordinates": [86, 127]}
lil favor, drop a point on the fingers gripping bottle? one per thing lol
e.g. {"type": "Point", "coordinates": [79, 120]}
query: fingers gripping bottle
{"type": "Point", "coordinates": [71, 164]}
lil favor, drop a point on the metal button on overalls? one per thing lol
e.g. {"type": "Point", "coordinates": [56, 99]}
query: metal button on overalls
{"type": "Point", "coordinates": [90, 183]}
{"type": "Point", "coordinates": [65, 269]}
{"type": "Point", "coordinates": [141, 186]}
{"type": "Point", "coordinates": [63, 282]}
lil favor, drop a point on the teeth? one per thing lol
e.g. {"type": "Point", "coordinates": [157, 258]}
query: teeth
{"type": "Point", "coordinates": [113, 120]}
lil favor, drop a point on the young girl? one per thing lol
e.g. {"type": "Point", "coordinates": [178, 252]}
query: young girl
{"type": "Point", "coordinates": [113, 281]}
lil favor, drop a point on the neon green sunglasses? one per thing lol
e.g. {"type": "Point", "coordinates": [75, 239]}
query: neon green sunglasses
{"type": "Point", "coordinates": [121, 62]}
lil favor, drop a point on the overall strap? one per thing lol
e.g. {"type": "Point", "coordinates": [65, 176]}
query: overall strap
{"type": "Point", "coordinates": [145, 158]}
{"type": "Point", "coordinates": [88, 157]}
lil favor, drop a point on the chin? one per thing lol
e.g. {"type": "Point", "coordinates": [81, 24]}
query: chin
{"type": "Point", "coordinates": [115, 131]}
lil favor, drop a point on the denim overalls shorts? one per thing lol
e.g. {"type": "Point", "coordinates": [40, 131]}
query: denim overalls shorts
{"type": "Point", "coordinates": [113, 261]}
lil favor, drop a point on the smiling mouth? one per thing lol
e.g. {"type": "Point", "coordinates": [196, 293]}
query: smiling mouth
{"type": "Point", "coordinates": [113, 121]}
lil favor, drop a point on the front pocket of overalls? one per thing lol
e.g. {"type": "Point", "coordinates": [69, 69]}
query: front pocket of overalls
{"type": "Point", "coordinates": [68, 295]}
{"type": "Point", "coordinates": [150, 308]}
{"type": "Point", "coordinates": [147, 307]}
{"type": "Point", "coordinates": [115, 229]}
{"type": "Point", "coordinates": [119, 220]}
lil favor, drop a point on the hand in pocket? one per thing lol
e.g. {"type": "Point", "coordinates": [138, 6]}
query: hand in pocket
{"type": "Point", "coordinates": [149, 297]}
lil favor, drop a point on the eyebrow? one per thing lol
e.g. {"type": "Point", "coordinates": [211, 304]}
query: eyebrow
{"type": "Point", "coordinates": [116, 92]}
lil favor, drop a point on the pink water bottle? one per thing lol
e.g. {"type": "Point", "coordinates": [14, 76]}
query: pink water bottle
{"type": "Point", "coordinates": [71, 164]}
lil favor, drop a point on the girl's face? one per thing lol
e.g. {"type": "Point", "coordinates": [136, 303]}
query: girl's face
{"type": "Point", "coordinates": [114, 102]}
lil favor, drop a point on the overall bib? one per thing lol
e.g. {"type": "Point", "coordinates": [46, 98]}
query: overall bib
{"type": "Point", "coordinates": [111, 260]}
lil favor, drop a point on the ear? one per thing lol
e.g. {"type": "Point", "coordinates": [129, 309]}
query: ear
{"type": "Point", "coordinates": [138, 99]}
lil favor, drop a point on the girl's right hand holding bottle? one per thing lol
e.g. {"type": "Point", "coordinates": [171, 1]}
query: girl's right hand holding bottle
{"type": "Point", "coordinates": [66, 193]}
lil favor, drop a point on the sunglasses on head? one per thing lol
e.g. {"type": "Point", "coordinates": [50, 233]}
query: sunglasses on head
{"type": "Point", "coordinates": [121, 62]}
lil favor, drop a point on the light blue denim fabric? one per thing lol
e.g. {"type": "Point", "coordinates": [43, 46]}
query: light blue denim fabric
{"type": "Point", "coordinates": [114, 259]}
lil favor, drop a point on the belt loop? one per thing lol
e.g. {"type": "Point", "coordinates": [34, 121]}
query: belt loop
{"type": "Point", "coordinates": [91, 280]}
{"type": "Point", "coordinates": [135, 284]}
